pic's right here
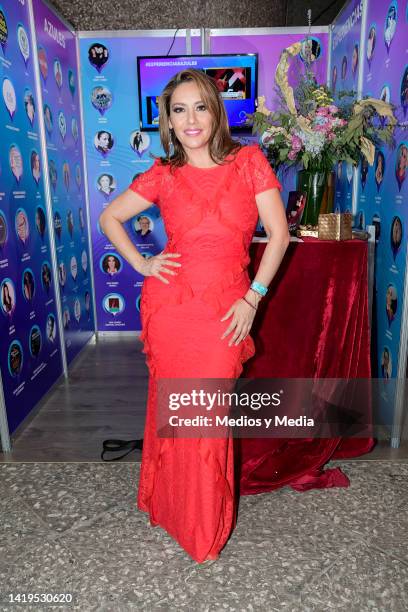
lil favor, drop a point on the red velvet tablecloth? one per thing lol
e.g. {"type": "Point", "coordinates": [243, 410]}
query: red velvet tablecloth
{"type": "Point", "coordinates": [312, 324]}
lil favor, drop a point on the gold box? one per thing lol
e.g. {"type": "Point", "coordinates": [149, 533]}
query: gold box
{"type": "Point", "coordinates": [335, 226]}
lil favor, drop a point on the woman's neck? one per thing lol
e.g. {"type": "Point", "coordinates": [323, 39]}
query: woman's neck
{"type": "Point", "coordinates": [200, 158]}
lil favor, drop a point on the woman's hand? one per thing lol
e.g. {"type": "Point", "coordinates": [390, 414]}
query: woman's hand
{"type": "Point", "coordinates": [160, 264]}
{"type": "Point", "coordinates": [243, 315]}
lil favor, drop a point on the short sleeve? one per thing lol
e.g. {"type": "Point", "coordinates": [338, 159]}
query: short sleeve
{"type": "Point", "coordinates": [262, 175]}
{"type": "Point", "coordinates": [148, 184]}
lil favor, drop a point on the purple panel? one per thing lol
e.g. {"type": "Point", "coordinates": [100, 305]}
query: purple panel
{"type": "Point", "coordinates": [59, 84]}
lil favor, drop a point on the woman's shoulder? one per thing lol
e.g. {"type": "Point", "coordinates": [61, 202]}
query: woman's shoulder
{"type": "Point", "coordinates": [249, 151]}
{"type": "Point", "coordinates": [249, 155]}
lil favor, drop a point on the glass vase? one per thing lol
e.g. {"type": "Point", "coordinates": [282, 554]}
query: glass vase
{"type": "Point", "coordinates": [319, 189]}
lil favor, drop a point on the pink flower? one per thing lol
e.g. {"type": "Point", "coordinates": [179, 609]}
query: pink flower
{"type": "Point", "coordinates": [292, 154]}
{"type": "Point", "coordinates": [333, 109]}
{"type": "Point", "coordinates": [296, 143]}
{"type": "Point", "coordinates": [323, 111]}
{"type": "Point", "coordinates": [331, 136]}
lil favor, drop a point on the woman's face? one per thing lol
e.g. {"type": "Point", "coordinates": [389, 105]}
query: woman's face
{"type": "Point", "coordinates": [104, 182]}
{"type": "Point", "coordinates": [104, 140]}
{"type": "Point", "coordinates": [189, 118]}
{"type": "Point", "coordinates": [50, 327]}
{"type": "Point", "coordinates": [30, 108]}
{"type": "Point", "coordinates": [144, 224]}
{"type": "Point", "coordinates": [21, 226]}
{"type": "Point", "coordinates": [403, 158]}
{"type": "Point", "coordinates": [396, 232]}
{"type": "Point", "coordinates": [355, 58]}
{"type": "Point", "coordinates": [111, 263]}
{"type": "Point", "coordinates": [36, 163]}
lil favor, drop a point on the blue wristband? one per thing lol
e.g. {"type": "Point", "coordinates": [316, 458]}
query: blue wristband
{"type": "Point", "coordinates": [261, 289]}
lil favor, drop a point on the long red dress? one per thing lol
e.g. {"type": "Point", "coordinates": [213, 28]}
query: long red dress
{"type": "Point", "coordinates": [210, 214]}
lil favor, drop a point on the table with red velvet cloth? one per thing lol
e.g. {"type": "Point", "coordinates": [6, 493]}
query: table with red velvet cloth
{"type": "Point", "coordinates": [313, 323]}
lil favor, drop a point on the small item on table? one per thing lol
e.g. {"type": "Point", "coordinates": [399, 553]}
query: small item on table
{"type": "Point", "coordinates": [335, 226]}
{"type": "Point", "coordinates": [307, 231]}
{"type": "Point", "coordinates": [294, 209]}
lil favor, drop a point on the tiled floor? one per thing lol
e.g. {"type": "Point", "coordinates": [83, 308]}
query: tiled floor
{"type": "Point", "coordinates": [74, 528]}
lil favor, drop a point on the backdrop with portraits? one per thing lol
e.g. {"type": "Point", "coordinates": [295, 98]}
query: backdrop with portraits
{"type": "Point", "coordinates": [30, 351]}
{"type": "Point", "coordinates": [56, 45]}
{"type": "Point", "coordinates": [382, 190]}
{"type": "Point", "coordinates": [117, 151]}
{"type": "Point", "coordinates": [345, 47]}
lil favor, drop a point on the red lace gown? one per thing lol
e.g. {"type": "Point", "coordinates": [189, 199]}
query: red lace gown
{"type": "Point", "coordinates": [210, 214]}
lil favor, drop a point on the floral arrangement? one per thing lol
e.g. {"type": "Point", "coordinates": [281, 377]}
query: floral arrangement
{"type": "Point", "coordinates": [311, 130]}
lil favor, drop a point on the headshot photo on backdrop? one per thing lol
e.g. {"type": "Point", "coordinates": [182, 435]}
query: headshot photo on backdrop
{"type": "Point", "coordinates": [106, 184]}
{"type": "Point", "coordinates": [29, 105]}
{"type": "Point", "coordinates": [84, 261]}
{"type": "Point", "coordinates": [40, 221]}
{"type": "Point", "coordinates": [22, 226]}
{"type": "Point", "coordinates": [8, 296]}
{"type": "Point", "coordinates": [203, 277]}
{"type": "Point", "coordinates": [3, 230]}
{"type": "Point", "coordinates": [103, 142]}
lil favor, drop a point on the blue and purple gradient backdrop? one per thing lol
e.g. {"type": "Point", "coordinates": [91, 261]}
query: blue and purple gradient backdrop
{"type": "Point", "coordinates": [39, 371]}
{"type": "Point", "coordinates": [59, 44]}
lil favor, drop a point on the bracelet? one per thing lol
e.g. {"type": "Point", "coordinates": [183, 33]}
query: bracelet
{"type": "Point", "coordinates": [248, 302]}
{"type": "Point", "coordinates": [258, 288]}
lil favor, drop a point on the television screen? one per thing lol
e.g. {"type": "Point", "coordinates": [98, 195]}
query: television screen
{"type": "Point", "coordinates": [235, 77]}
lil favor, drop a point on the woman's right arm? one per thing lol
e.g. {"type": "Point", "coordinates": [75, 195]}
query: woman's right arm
{"type": "Point", "coordinates": [121, 209]}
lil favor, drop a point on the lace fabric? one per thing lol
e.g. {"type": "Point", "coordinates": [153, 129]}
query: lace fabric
{"type": "Point", "coordinates": [187, 485]}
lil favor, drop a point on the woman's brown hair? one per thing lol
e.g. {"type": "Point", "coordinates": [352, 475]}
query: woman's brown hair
{"type": "Point", "coordinates": [221, 144]}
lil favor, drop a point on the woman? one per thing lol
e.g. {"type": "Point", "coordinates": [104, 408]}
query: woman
{"type": "Point", "coordinates": [391, 303]}
{"type": "Point", "coordinates": [6, 299]}
{"type": "Point", "coordinates": [29, 106]}
{"type": "Point", "coordinates": [354, 60]}
{"type": "Point", "coordinates": [106, 184]}
{"type": "Point", "coordinates": [111, 265]}
{"type": "Point", "coordinates": [197, 307]}
{"type": "Point", "coordinates": [28, 285]}
{"type": "Point", "coordinates": [402, 164]}
{"type": "Point", "coordinates": [35, 166]}
{"type": "Point", "coordinates": [103, 142]}
{"type": "Point", "coordinates": [379, 171]}
{"type": "Point", "coordinates": [371, 43]}
{"type": "Point", "coordinates": [144, 224]}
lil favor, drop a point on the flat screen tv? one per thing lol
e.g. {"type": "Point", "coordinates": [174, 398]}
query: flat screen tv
{"type": "Point", "coordinates": [235, 75]}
